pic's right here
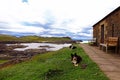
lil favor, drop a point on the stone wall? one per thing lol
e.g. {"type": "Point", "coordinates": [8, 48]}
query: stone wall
{"type": "Point", "coordinates": [111, 27]}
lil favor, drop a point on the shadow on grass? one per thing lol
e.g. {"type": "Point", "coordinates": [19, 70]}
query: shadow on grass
{"type": "Point", "coordinates": [51, 73]}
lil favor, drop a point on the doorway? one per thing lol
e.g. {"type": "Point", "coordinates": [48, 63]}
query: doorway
{"type": "Point", "coordinates": [102, 33]}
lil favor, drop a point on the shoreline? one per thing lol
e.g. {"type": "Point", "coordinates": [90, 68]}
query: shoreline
{"type": "Point", "coordinates": [14, 56]}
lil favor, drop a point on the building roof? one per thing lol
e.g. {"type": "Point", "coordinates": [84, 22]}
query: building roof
{"type": "Point", "coordinates": [117, 9]}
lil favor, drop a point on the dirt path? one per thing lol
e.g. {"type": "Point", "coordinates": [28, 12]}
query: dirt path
{"type": "Point", "coordinates": [109, 63]}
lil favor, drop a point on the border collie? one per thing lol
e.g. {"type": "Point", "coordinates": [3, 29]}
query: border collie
{"type": "Point", "coordinates": [75, 59]}
{"type": "Point", "coordinates": [72, 47]}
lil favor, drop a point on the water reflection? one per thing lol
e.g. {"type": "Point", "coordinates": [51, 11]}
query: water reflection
{"type": "Point", "coordinates": [47, 46]}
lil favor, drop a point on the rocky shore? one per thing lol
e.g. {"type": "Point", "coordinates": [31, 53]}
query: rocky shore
{"type": "Point", "coordinates": [13, 56]}
{"type": "Point", "coordinates": [7, 52]}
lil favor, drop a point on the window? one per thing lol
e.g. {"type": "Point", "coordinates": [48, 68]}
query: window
{"type": "Point", "coordinates": [113, 30]}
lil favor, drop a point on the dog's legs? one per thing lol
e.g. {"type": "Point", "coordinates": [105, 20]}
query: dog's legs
{"type": "Point", "coordinates": [75, 64]}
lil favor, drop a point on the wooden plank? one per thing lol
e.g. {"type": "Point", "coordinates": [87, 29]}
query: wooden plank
{"type": "Point", "coordinates": [111, 42]}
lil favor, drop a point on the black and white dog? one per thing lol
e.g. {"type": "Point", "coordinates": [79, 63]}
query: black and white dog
{"type": "Point", "coordinates": [72, 47]}
{"type": "Point", "coordinates": [75, 59]}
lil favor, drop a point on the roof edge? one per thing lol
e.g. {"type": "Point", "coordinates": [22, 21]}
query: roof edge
{"type": "Point", "coordinates": [118, 8]}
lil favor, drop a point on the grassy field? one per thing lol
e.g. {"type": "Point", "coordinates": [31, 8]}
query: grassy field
{"type": "Point", "coordinates": [53, 66]}
{"type": "Point", "coordinates": [39, 39]}
{"type": "Point", "coordinates": [2, 61]}
{"type": "Point", "coordinates": [9, 38]}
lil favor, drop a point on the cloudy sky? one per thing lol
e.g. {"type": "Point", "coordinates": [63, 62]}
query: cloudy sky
{"type": "Point", "coordinates": [53, 18]}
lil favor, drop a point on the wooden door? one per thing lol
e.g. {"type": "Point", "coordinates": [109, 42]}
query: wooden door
{"type": "Point", "coordinates": [102, 33]}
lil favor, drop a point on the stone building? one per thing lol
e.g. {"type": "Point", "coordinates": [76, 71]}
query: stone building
{"type": "Point", "coordinates": [109, 26]}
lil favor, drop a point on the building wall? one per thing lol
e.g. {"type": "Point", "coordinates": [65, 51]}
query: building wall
{"type": "Point", "coordinates": [111, 25]}
{"type": "Point", "coordinates": [114, 21]}
{"type": "Point", "coordinates": [97, 31]}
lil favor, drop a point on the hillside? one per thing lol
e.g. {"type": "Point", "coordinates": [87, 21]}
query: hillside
{"type": "Point", "coordinates": [12, 39]}
{"type": "Point", "coordinates": [54, 66]}
{"type": "Point", "coordinates": [45, 39]}
{"type": "Point", "coordinates": [7, 37]}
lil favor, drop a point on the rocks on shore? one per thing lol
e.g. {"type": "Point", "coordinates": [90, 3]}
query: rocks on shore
{"type": "Point", "coordinates": [13, 57]}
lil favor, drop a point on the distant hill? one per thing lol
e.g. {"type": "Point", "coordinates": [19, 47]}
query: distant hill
{"type": "Point", "coordinates": [12, 39]}
{"type": "Point", "coordinates": [7, 38]}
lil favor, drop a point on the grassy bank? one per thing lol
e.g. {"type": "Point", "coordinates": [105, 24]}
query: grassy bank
{"type": "Point", "coordinates": [2, 61]}
{"type": "Point", "coordinates": [53, 66]}
{"type": "Point", "coordinates": [12, 39]}
{"type": "Point", "coordinates": [45, 39]}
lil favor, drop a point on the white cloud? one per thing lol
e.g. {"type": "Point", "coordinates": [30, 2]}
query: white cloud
{"type": "Point", "coordinates": [24, 29]}
{"type": "Point", "coordinates": [68, 15]}
{"type": "Point", "coordinates": [54, 31]}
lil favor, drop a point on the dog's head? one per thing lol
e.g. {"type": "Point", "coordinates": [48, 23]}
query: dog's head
{"type": "Point", "coordinates": [74, 58]}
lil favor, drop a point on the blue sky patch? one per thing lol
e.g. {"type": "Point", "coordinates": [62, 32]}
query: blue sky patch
{"type": "Point", "coordinates": [25, 1]}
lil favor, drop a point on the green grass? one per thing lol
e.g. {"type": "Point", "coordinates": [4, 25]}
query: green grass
{"type": "Point", "coordinates": [54, 66]}
{"type": "Point", "coordinates": [2, 61]}
{"type": "Point", "coordinates": [8, 38]}
{"type": "Point", "coordinates": [47, 39]}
